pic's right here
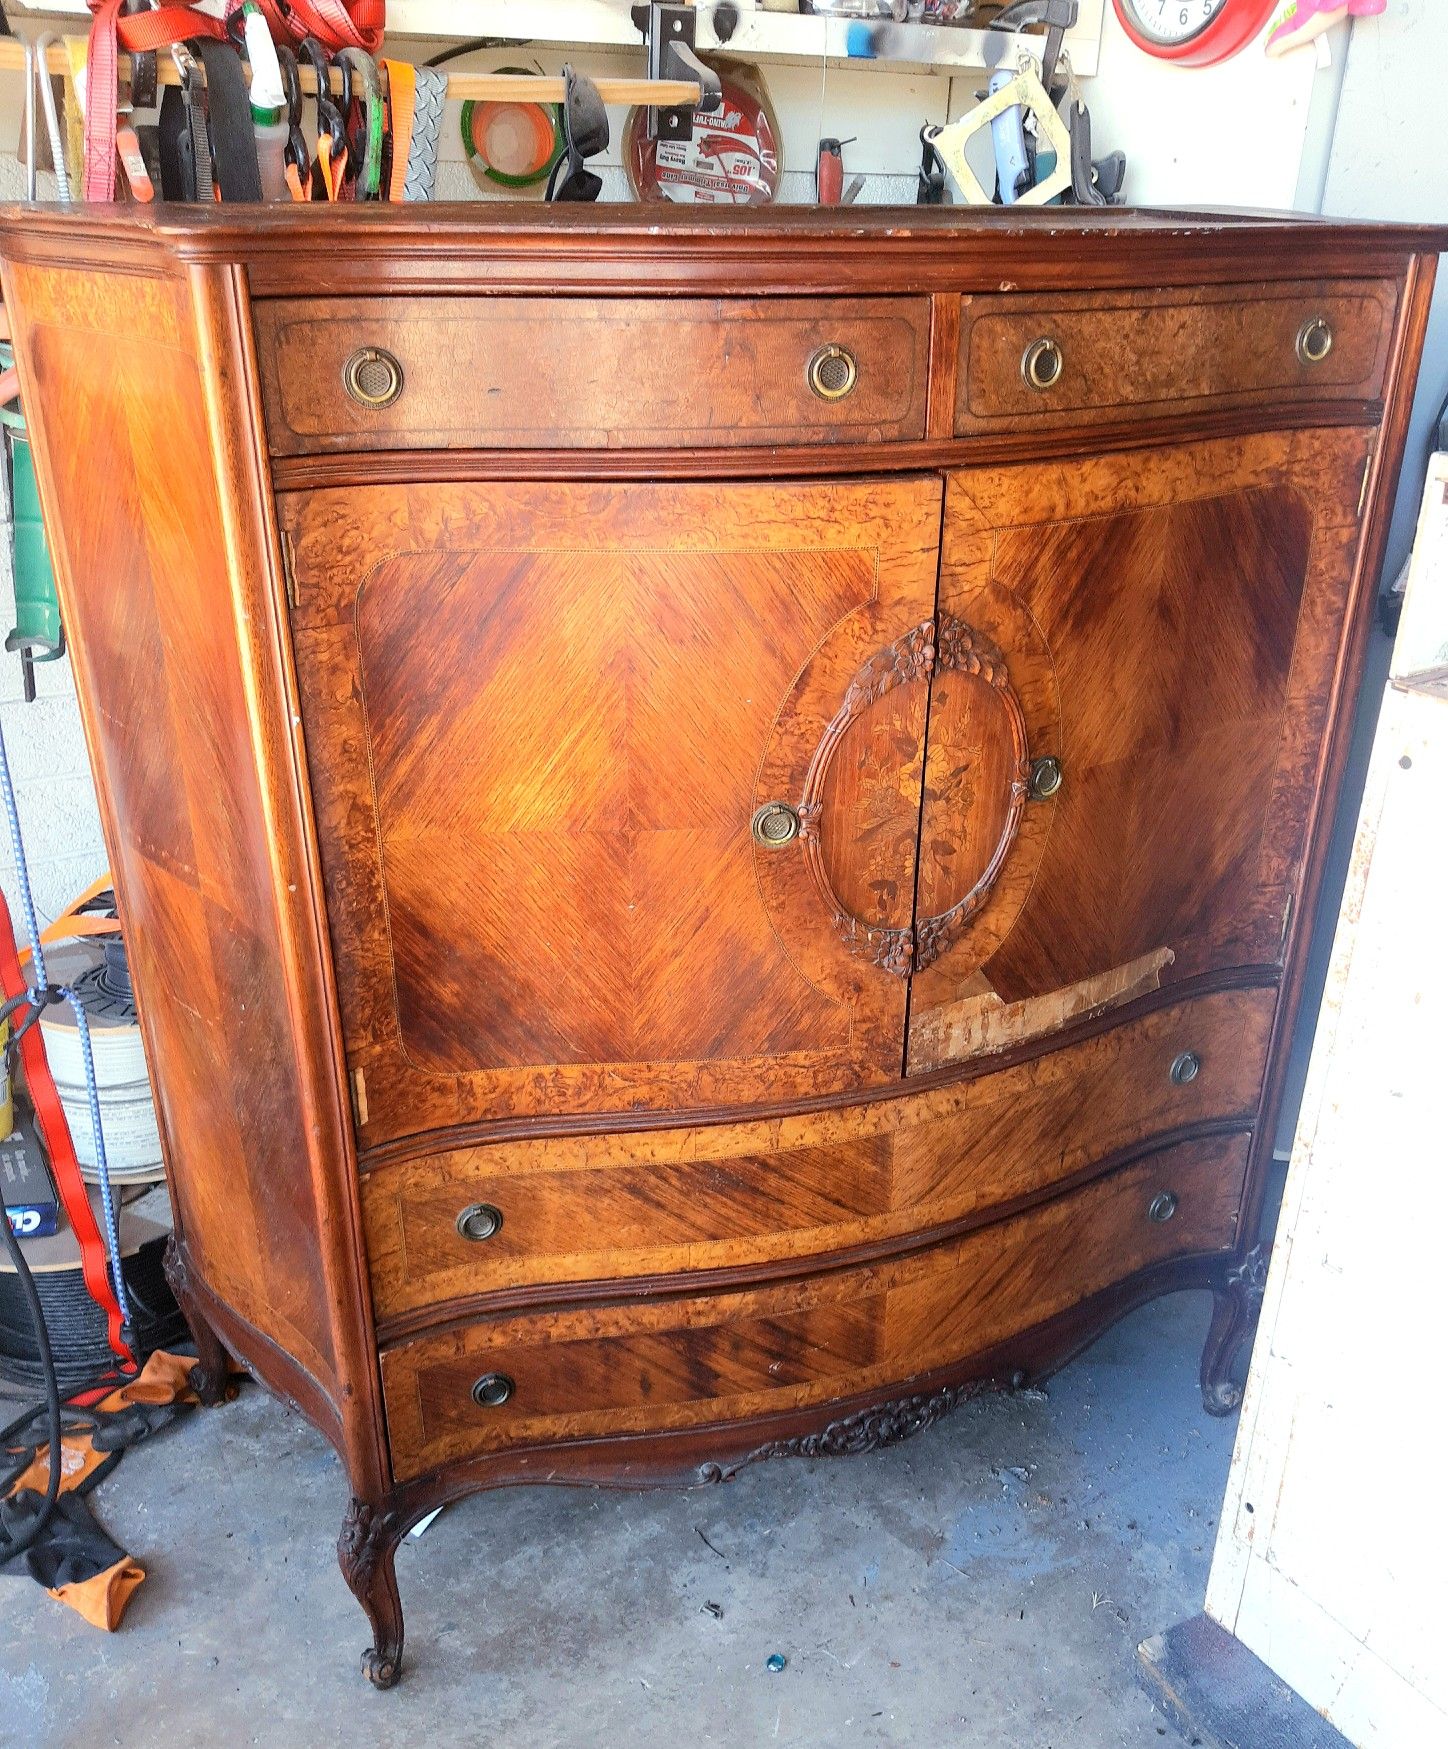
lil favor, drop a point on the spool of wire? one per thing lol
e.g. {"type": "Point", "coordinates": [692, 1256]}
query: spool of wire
{"type": "Point", "coordinates": [512, 146]}
{"type": "Point", "coordinates": [101, 980]}
{"type": "Point", "coordinates": [77, 1325]}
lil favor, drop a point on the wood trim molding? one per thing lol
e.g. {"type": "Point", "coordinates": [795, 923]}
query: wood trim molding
{"type": "Point", "coordinates": [421, 467]}
{"type": "Point", "coordinates": [355, 250]}
{"type": "Point", "coordinates": [943, 644]}
{"type": "Point", "coordinates": [907, 661]}
{"type": "Point", "coordinates": [224, 329]}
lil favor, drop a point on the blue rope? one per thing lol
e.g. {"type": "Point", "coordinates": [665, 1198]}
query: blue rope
{"type": "Point", "coordinates": [32, 929]}
{"type": "Point", "coordinates": [27, 901]}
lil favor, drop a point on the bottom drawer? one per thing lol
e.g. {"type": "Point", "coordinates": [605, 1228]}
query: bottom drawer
{"type": "Point", "coordinates": [586, 1372]}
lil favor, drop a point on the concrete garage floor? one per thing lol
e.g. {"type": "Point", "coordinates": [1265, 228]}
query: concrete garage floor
{"type": "Point", "coordinates": [984, 1585]}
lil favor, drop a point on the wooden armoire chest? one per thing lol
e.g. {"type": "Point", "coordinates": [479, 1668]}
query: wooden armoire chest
{"type": "Point", "coordinates": [717, 817]}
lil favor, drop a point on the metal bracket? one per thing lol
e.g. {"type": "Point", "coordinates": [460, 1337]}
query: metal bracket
{"type": "Point", "coordinates": [669, 37]}
{"type": "Point", "coordinates": [1058, 16]}
{"type": "Point", "coordinates": [930, 188]}
{"type": "Point", "coordinates": [1025, 89]}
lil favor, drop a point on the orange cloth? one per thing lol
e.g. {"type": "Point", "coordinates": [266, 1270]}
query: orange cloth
{"type": "Point", "coordinates": [78, 1459]}
{"type": "Point", "coordinates": [165, 1378]}
{"type": "Point", "coordinates": [102, 1599]}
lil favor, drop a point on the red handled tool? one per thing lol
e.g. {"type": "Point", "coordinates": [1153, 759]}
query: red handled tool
{"type": "Point", "coordinates": [830, 170]}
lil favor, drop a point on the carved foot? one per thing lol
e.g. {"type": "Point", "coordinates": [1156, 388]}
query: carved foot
{"type": "Point", "coordinates": [211, 1377]}
{"type": "Point", "coordinates": [365, 1550]}
{"type": "Point", "coordinates": [380, 1671]}
{"type": "Point", "coordinates": [1236, 1301]}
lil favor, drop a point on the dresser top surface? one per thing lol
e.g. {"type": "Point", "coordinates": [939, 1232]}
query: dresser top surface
{"type": "Point", "coordinates": [302, 249]}
{"type": "Point", "coordinates": [451, 221]}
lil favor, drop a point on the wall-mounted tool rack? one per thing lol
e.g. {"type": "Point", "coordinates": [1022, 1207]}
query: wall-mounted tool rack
{"type": "Point", "coordinates": [755, 35]}
{"type": "Point", "coordinates": [482, 87]}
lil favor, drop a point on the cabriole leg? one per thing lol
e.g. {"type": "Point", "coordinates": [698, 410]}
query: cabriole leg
{"type": "Point", "coordinates": [1236, 1301]}
{"type": "Point", "coordinates": [211, 1377]}
{"type": "Point", "coordinates": [365, 1551]}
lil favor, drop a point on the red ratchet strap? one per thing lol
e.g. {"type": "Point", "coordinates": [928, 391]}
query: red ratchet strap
{"type": "Point", "coordinates": [136, 33]}
{"type": "Point", "coordinates": [340, 24]}
{"type": "Point", "coordinates": [64, 1167]}
{"type": "Point", "coordinates": [337, 24]}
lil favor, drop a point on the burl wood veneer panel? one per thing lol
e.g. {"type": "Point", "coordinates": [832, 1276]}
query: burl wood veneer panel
{"type": "Point", "coordinates": [175, 643]}
{"type": "Point", "coordinates": [539, 722]}
{"type": "Point", "coordinates": [1173, 620]}
{"type": "Point", "coordinates": [591, 1371]}
{"type": "Point", "coordinates": [1133, 354]}
{"type": "Point", "coordinates": [588, 1208]}
{"type": "Point", "coordinates": [557, 372]}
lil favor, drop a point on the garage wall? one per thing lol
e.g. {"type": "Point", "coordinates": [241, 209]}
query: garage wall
{"type": "Point", "coordinates": [1382, 162]}
{"type": "Point", "coordinates": [47, 750]}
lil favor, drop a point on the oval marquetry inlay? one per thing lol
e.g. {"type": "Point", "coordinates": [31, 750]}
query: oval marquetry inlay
{"type": "Point", "coordinates": [976, 771]}
{"type": "Point", "coordinates": [854, 787]}
{"type": "Point", "coordinates": [858, 839]}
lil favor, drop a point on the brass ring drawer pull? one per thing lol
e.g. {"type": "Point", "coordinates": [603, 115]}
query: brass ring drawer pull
{"type": "Point", "coordinates": [1186, 1066]}
{"type": "Point", "coordinates": [1163, 1207]}
{"type": "Point", "coordinates": [1042, 363]}
{"type": "Point", "coordinates": [479, 1221]}
{"type": "Point", "coordinates": [1044, 779]}
{"type": "Point", "coordinates": [492, 1390]}
{"type": "Point", "coordinates": [372, 377]}
{"type": "Point", "coordinates": [1314, 340]}
{"type": "Point", "coordinates": [774, 825]}
{"type": "Point", "coordinates": [832, 373]}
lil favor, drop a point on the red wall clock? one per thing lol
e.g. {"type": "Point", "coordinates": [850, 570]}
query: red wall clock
{"type": "Point", "coordinates": [1193, 33]}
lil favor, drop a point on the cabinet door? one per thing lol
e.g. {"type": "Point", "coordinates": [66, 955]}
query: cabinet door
{"type": "Point", "coordinates": [1172, 623]}
{"type": "Point", "coordinates": [545, 725]}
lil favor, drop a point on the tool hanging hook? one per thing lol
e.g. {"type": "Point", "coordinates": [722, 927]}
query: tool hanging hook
{"type": "Point", "coordinates": [668, 32]}
{"type": "Point", "coordinates": [37, 76]}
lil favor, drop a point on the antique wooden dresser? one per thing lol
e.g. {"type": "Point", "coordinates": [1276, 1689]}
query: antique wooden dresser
{"type": "Point", "coordinates": [717, 817]}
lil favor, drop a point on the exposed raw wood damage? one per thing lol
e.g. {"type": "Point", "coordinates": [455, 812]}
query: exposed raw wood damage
{"type": "Point", "coordinates": [977, 1024]}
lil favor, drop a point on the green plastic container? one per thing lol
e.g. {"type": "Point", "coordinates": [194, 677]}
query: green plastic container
{"type": "Point", "coordinates": [37, 636]}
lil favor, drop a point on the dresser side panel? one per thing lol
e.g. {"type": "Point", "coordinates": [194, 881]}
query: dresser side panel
{"type": "Point", "coordinates": [139, 398]}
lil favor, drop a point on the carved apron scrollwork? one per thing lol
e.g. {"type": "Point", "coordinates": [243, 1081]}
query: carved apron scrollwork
{"type": "Point", "coordinates": [867, 1430]}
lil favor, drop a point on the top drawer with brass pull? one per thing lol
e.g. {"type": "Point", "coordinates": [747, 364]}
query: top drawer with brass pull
{"type": "Point", "coordinates": [1072, 359]}
{"type": "Point", "coordinates": [590, 373]}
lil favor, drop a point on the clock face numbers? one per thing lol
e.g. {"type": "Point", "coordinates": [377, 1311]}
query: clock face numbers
{"type": "Point", "coordinates": [1173, 21]}
{"type": "Point", "coordinates": [1192, 33]}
